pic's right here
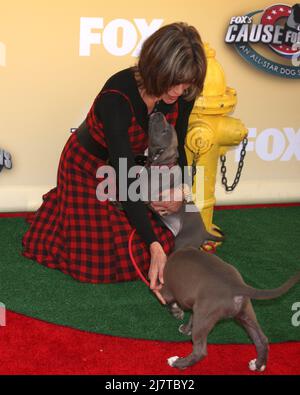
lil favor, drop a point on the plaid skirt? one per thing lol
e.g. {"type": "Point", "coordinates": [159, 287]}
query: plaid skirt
{"type": "Point", "coordinates": [76, 233]}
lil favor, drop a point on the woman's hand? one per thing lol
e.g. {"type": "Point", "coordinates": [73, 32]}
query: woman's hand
{"type": "Point", "coordinates": [157, 265]}
{"type": "Point", "coordinates": [164, 207]}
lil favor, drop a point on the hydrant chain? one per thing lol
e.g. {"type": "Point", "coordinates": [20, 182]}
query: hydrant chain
{"type": "Point", "coordinates": [239, 170]}
{"type": "Point", "coordinates": [194, 166]}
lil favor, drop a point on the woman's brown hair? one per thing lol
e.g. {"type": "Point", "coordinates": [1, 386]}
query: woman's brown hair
{"type": "Point", "coordinates": [172, 55]}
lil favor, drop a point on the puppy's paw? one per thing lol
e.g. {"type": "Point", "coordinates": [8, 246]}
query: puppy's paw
{"type": "Point", "coordinates": [172, 360]}
{"type": "Point", "coordinates": [253, 367]}
{"type": "Point", "coordinates": [176, 311]}
{"type": "Point", "coordinates": [185, 329]}
{"type": "Point", "coordinates": [179, 363]}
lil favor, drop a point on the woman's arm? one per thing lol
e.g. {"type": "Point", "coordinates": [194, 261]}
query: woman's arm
{"type": "Point", "coordinates": [184, 111]}
{"type": "Point", "coordinates": [115, 113]}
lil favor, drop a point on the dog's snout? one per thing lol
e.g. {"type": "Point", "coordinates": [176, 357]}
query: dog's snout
{"type": "Point", "coordinates": [157, 119]}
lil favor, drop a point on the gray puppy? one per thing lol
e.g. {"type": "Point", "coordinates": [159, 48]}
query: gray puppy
{"type": "Point", "coordinates": [198, 281]}
{"type": "Point", "coordinates": [186, 224]}
{"type": "Point", "coordinates": [213, 290]}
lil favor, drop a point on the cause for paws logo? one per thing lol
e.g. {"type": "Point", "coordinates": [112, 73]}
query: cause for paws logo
{"type": "Point", "coordinates": [269, 39]}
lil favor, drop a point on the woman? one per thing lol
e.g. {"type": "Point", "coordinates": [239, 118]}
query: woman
{"type": "Point", "coordinates": [76, 233]}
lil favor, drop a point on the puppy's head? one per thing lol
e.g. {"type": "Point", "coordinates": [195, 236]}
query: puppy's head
{"type": "Point", "coordinates": [162, 141]}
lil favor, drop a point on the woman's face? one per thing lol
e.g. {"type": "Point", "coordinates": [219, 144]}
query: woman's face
{"type": "Point", "coordinates": [174, 92]}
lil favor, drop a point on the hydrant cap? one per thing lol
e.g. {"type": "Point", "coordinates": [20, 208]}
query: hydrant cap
{"type": "Point", "coordinates": [216, 97]}
{"type": "Point", "coordinates": [209, 51]}
{"type": "Point", "coordinates": [215, 82]}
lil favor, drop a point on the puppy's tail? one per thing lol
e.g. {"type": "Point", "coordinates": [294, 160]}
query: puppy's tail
{"type": "Point", "coordinates": [254, 293]}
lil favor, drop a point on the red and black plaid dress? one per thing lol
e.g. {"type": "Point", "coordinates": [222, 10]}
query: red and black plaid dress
{"type": "Point", "coordinates": [76, 233]}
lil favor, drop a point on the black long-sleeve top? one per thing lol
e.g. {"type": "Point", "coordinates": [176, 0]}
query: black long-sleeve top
{"type": "Point", "coordinates": [115, 113]}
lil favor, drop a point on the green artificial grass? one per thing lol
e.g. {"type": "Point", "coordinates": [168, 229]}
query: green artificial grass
{"type": "Point", "coordinates": [263, 243]}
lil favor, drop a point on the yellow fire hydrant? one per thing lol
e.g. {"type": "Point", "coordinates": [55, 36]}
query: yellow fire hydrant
{"type": "Point", "coordinates": [211, 133]}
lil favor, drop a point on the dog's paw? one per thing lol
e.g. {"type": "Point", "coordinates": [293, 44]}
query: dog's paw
{"type": "Point", "coordinates": [185, 330]}
{"type": "Point", "coordinates": [179, 363]}
{"type": "Point", "coordinates": [176, 311]}
{"type": "Point", "coordinates": [171, 360]}
{"type": "Point", "coordinates": [253, 367]}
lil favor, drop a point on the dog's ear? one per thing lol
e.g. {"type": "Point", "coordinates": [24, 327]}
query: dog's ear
{"type": "Point", "coordinates": [296, 11]}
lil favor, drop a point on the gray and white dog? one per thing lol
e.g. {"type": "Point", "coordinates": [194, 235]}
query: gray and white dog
{"type": "Point", "coordinates": [199, 281]}
{"type": "Point", "coordinates": [186, 224]}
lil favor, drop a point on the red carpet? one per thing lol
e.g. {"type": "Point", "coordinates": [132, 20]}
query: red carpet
{"type": "Point", "coordinates": [30, 346]}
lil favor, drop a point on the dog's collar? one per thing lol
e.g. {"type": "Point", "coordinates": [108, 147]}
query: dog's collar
{"type": "Point", "coordinates": [169, 165]}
